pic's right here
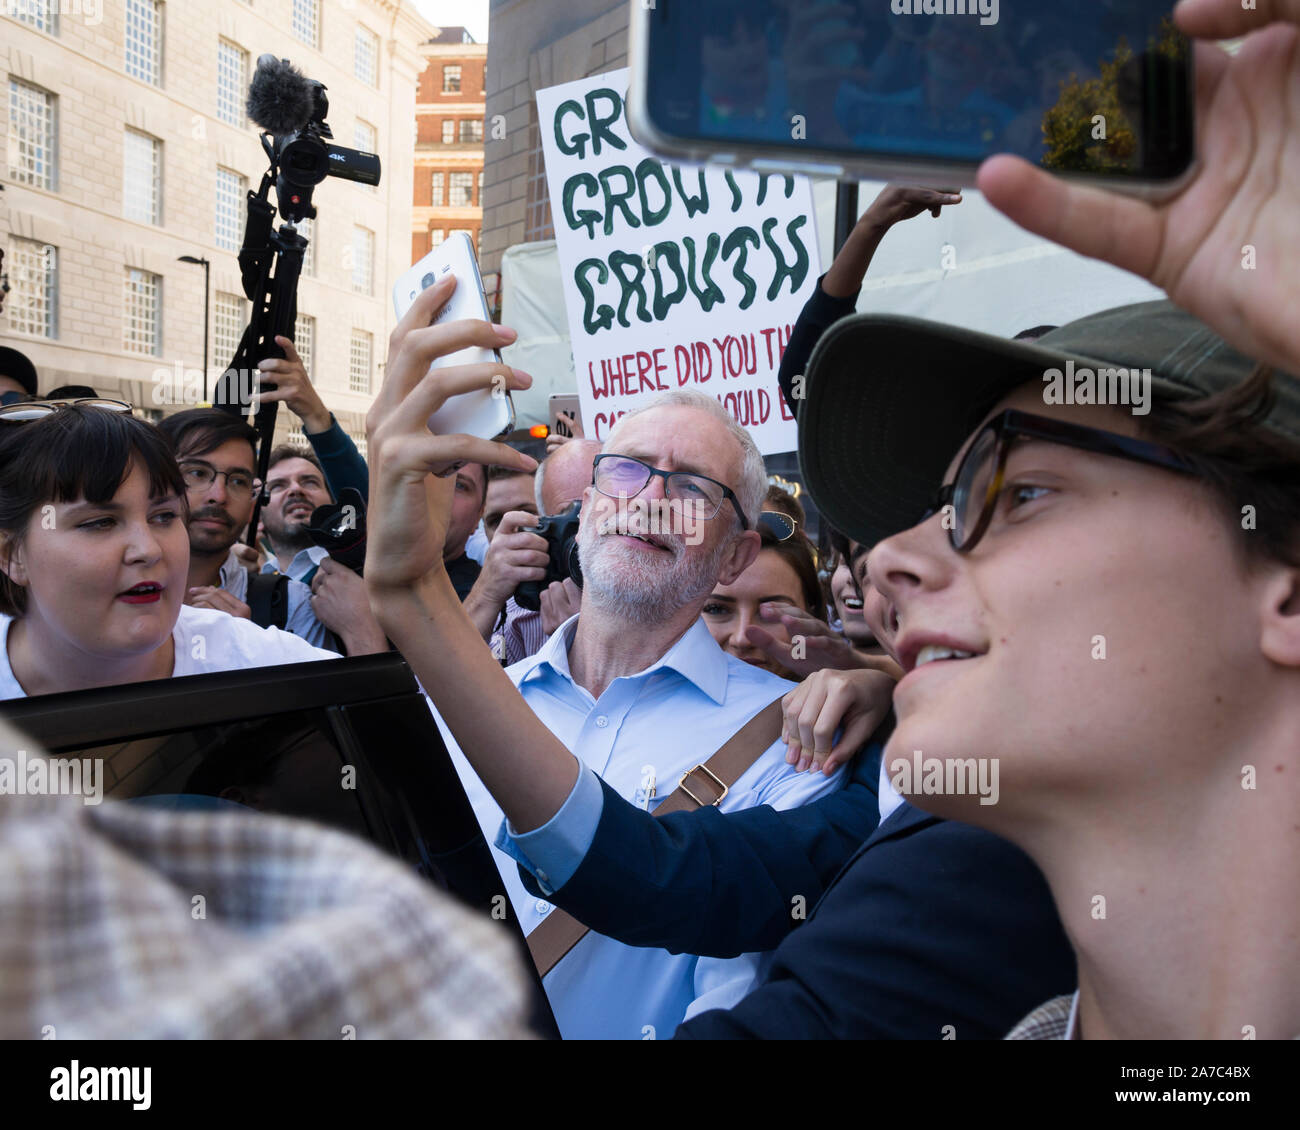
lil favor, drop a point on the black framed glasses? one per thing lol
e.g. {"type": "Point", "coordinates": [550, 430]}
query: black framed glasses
{"type": "Point", "coordinates": [27, 410]}
{"type": "Point", "coordinates": [973, 493]}
{"type": "Point", "coordinates": [621, 476]}
{"type": "Point", "coordinates": [200, 476]}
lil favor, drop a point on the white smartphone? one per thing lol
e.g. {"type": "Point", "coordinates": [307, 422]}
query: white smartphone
{"type": "Point", "coordinates": [489, 412]}
{"type": "Point", "coordinates": [566, 405]}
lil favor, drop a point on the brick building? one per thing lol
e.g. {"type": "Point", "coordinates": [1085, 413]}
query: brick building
{"type": "Point", "coordinates": [449, 130]}
{"type": "Point", "coordinates": [126, 147]}
{"type": "Point", "coordinates": [535, 44]}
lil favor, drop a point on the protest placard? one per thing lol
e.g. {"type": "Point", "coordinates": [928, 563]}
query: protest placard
{"type": "Point", "coordinates": [674, 276]}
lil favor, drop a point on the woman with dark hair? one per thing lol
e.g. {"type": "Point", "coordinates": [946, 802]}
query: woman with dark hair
{"type": "Point", "coordinates": [783, 576]}
{"type": "Point", "coordinates": [93, 559]}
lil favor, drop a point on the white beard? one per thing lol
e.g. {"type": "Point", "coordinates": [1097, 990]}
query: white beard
{"type": "Point", "coordinates": [643, 586]}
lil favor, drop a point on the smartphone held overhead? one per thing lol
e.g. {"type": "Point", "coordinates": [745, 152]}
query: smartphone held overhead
{"type": "Point", "coordinates": [918, 90]}
{"type": "Point", "coordinates": [489, 412]}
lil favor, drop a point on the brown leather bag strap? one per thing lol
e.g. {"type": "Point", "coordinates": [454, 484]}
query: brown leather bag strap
{"type": "Point", "coordinates": [706, 784]}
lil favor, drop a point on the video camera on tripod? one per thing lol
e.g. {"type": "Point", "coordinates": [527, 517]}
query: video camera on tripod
{"type": "Point", "coordinates": [299, 145]}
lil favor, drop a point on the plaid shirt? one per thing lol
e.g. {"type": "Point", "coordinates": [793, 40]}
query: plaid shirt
{"type": "Point", "coordinates": [1049, 1021]}
{"type": "Point", "coordinates": [123, 921]}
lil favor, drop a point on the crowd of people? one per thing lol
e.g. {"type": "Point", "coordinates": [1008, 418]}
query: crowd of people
{"type": "Point", "coordinates": [716, 770]}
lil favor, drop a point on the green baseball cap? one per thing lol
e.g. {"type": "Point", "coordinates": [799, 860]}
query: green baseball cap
{"type": "Point", "coordinates": [891, 399]}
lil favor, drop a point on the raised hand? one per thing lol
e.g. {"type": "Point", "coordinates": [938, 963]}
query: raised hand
{"type": "Point", "coordinates": [412, 471]}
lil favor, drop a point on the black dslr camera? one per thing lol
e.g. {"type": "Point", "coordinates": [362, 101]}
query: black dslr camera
{"type": "Point", "coordinates": [561, 534]}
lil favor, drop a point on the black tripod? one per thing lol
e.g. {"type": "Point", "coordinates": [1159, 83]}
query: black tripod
{"type": "Point", "coordinates": [270, 262]}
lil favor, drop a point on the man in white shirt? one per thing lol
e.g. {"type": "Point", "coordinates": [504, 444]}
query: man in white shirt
{"type": "Point", "coordinates": [637, 689]}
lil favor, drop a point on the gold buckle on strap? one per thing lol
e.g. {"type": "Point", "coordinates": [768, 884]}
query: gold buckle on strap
{"type": "Point", "coordinates": [722, 789]}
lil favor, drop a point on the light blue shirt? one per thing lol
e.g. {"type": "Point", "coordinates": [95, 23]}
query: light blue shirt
{"type": "Point", "coordinates": [304, 561]}
{"type": "Point", "coordinates": [300, 620]}
{"type": "Point", "coordinates": [658, 723]}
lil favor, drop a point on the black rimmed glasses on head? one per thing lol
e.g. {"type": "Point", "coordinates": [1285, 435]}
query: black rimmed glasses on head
{"type": "Point", "coordinates": [621, 476]}
{"type": "Point", "coordinates": [974, 491]}
{"type": "Point", "coordinates": [25, 411]}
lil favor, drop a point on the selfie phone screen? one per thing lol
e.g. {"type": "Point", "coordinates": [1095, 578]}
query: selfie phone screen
{"type": "Point", "coordinates": [1098, 86]}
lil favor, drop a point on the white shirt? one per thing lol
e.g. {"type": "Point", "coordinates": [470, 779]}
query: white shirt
{"type": "Point", "coordinates": [206, 640]}
{"type": "Point", "coordinates": [663, 720]}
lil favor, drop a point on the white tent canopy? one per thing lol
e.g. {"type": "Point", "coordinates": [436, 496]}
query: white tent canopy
{"type": "Point", "coordinates": [970, 267]}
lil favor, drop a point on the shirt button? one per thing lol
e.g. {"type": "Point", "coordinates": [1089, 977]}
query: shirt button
{"type": "Point", "coordinates": [542, 907]}
{"type": "Point", "coordinates": [602, 721]}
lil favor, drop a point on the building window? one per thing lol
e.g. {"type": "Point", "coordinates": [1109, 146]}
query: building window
{"type": "Point", "coordinates": [32, 135]}
{"type": "Point", "coordinates": [451, 78]}
{"type": "Point", "coordinates": [359, 361]}
{"type": "Point", "coordinates": [43, 15]}
{"type": "Point", "coordinates": [306, 21]}
{"type": "Point", "coordinates": [362, 449]}
{"type": "Point", "coordinates": [363, 260]}
{"type": "Point", "coordinates": [142, 178]}
{"type": "Point", "coordinates": [144, 35]}
{"type": "Point", "coordinates": [462, 190]}
{"type": "Point", "coordinates": [142, 322]}
{"type": "Point", "coordinates": [232, 83]}
{"type": "Point", "coordinates": [366, 138]}
{"type": "Point", "coordinates": [304, 339]}
{"type": "Point", "coordinates": [471, 130]}
{"type": "Point", "coordinates": [448, 132]}
{"type": "Point", "coordinates": [436, 237]}
{"type": "Point", "coordinates": [480, 188]}
{"type": "Point", "coordinates": [435, 190]}
{"type": "Point", "coordinates": [295, 437]}
{"type": "Point", "coordinates": [229, 316]}
{"type": "Point", "coordinates": [307, 229]}
{"type": "Point", "coordinates": [365, 56]}
{"type": "Point", "coordinates": [537, 210]}
{"type": "Point", "coordinates": [231, 190]}
{"type": "Point", "coordinates": [32, 304]}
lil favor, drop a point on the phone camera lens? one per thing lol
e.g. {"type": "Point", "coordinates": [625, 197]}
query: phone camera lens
{"type": "Point", "coordinates": [427, 281]}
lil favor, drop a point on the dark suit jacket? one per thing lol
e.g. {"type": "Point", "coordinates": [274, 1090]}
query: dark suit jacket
{"type": "Point", "coordinates": [931, 926]}
{"type": "Point", "coordinates": [713, 884]}
{"type": "Point", "coordinates": [931, 923]}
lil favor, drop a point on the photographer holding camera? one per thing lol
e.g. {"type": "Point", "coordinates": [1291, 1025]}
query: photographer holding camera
{"type": "Point", "coordinates": [519, 555]}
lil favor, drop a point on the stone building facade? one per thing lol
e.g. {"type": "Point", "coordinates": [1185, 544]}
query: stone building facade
{"type": "Point", "coordinates": [126, 146]}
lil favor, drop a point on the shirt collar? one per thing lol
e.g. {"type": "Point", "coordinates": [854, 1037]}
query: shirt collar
{"type": "Point", "coordinates": [315, 555]}
{"type": "Point", "coordinates": [696, 657]}
{"type": "Point", "coordinates": [1072, 1024]}
{"type": "Point", "coordinates": [229, 569]}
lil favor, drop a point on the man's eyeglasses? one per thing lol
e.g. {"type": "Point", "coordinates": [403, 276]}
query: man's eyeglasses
{"type": "Point", "coordinates": [200, 476]}
{"type": "Point", "coordinates": [973, 493]}
{"type": "Point", "coordinates": [28, 410]}
{"type": "Point", "coordinates": [621, 476]}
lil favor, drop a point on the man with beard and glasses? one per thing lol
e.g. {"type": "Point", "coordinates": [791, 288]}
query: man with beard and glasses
{"type": "Point", "coordinates": [217, 457]}
{"type": "Point", "coordinates": [637, 689]}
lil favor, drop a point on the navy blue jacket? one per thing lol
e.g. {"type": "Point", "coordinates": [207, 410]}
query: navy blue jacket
{"type": "Point", "coordinates": [933, 929]}
{"type": "Point", "coordinates": [929, 924]}
{"type": "Point", "coordinates": [713, 884]}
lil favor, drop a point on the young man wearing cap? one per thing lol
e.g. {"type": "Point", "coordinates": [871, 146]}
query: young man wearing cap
{"type": "Point", "coordinates": [1126, 231]}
